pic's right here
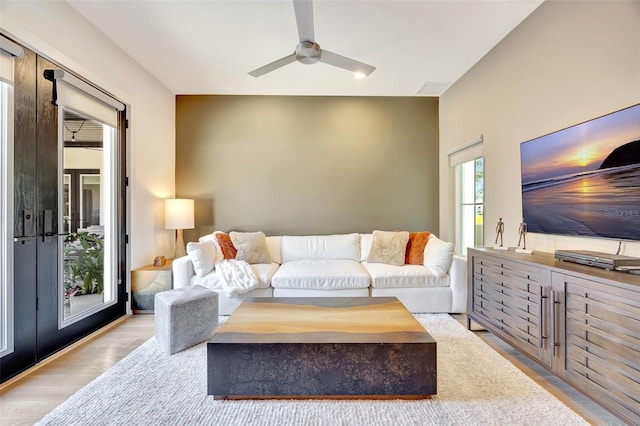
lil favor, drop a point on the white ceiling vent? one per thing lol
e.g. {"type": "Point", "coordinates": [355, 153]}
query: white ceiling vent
{"type": "Point", "coordinates": [429, 88]}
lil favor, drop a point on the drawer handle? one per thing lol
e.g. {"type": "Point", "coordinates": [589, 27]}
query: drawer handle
{"type": "Point", "coordinates": [555, 322]}
{"type": "Point", "coordinates": [543, 325]}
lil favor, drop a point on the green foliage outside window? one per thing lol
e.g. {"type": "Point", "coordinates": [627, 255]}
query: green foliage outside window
{"type": "Point", "coordinates": [83, 264]}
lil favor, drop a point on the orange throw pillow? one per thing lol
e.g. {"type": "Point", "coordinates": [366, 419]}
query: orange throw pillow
{"type": "Point", "coordinates": [228, 249]}
{"type": "Point", "coordinates": [415, 248]}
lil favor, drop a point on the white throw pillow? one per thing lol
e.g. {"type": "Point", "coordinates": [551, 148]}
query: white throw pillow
{"type": "Point", "coordinates": [212, 238]}
{"type": "Point", "coordinates": [203, 255]}
{"type": "Point", "coordinates": [251, 247]}
{"type": "Point", "coordinates": [388, 247]}
{"type": "Point", "coordinates": [438, 256]}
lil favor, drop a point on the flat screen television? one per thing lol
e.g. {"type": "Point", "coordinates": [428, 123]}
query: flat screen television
{"type": "Point", "coordinates": [585, 180]}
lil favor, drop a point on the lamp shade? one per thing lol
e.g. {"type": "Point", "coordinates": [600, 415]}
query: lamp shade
{"type": "Point", "coordinates": [178, 213]}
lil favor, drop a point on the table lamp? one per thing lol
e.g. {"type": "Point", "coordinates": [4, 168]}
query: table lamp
{"type": "Point", "coordinates": [178, 215]}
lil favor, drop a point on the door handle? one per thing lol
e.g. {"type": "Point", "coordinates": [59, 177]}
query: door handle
{"type": "Point", "coordinates": [47, 224]}
{"type": "Point", "coordinates": [51, 234]}
{"type": "Point", "coordinates": [23, 239]}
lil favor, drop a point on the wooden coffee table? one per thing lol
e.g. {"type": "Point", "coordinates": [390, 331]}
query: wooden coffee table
{"type": "Point", "coordinates": [321, 347]}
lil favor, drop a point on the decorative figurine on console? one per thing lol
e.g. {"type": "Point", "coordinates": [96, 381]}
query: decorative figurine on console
{"type": "Point", "coordinates": [499, 233]}
{"type": "Point", "coordinates": [522, 230]}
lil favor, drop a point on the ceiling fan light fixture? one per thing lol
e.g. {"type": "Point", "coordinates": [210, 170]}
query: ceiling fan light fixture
{"type": "Point", "coordinates": [359, 75]}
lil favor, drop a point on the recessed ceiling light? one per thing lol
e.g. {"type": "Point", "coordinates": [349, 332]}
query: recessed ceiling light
{"type": "Point", "coordinates": [359, 75]}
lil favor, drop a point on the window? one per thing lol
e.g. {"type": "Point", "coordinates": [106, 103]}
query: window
{"type": "Point", "coordinates": [471, 204]}
{"type": "Point", "coordinates": [81, 196]}
{"type": "Point", "coordinates": [87, 198]}
{"type": "Point", "coordinates": [468, 163]}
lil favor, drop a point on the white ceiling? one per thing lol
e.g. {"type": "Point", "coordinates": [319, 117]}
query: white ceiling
{"type": "Point", "coordinates": [208, 47]}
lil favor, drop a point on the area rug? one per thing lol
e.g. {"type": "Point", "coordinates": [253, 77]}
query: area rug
{"type": "Point", "coordinates": [476, 386]}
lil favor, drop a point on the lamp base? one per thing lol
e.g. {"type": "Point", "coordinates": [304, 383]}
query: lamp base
{"type": "Point", "coordinates": [179, 249]}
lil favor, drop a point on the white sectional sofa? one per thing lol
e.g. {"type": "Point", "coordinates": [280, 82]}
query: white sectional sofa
{"type": "Point", "coordinates": [337, 266]}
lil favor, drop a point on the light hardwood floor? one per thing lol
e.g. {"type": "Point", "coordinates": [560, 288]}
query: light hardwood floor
{"type": "Point", "coordinates": [34, 395]}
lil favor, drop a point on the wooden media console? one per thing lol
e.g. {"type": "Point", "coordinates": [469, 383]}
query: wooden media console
{"type": "Point", "coordinates": [581, 322]}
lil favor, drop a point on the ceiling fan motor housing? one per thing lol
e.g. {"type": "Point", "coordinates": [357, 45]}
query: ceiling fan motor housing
{"type": "Point", "coordinates": [308, 52]}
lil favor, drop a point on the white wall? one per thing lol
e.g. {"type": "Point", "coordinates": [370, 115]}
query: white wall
{"type": "Point", "coordinates": [568, 62]}
{"type": "Point", "coordinates": [55, 30]}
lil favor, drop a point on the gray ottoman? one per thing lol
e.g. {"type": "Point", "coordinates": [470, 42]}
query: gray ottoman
{"type": "Point", "coordinates": [185, 317]}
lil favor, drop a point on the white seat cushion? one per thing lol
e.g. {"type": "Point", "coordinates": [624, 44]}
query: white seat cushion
{"type": "Point", "coordinates": [390, 276]}
{"type": "Point", "coordinates": [321, 274]}
{"type": "Point", "coordinates": [264, 272]}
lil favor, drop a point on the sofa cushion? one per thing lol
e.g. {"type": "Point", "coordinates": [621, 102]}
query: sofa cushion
{"type": "Point", "coordinates": [438, 255]}
{"type": "Point", "coordinates": [415, 248]}
{"type": "Point", "coordinates": [250, 247]}
{"type": "Point", "coordinates": [365, 246]}
{"type": "Point", "coordinates": [388, 247]}
{"type": "Point", "coordinates": [321, 274]}
{"type": "Point", "coordinates": [203, 255]}
{"type": "Point", "coordinates": [391, 276]}
{"type": "Point", "coordinates": [345, 247]}
{"type": "Point", "coordinates": [264, 272]}
{"type": "Point", "coordinates": [274, 244]}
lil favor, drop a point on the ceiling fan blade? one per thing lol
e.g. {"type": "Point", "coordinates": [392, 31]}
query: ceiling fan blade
{"type": "Point", "coordinates": [304, 19]}
{"type": "Point", "coordinates": [273, 65]}
{"type": "Point", "coordinates": [346, 63]}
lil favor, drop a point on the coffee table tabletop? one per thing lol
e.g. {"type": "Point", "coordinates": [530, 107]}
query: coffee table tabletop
{"type": "Point", "coordinates": [322, 319]}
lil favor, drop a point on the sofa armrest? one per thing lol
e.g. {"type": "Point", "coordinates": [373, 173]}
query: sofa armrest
{"type": "Point", "coordinates": [182, 272]}
{"type": "Point", "coordinates": [458, 283]}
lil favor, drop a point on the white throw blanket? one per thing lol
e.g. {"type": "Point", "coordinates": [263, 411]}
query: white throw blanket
{"type": "Point", "coordinates": [236, 276]}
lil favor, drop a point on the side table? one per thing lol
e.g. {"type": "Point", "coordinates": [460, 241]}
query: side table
{"type": "Point", "coordinates": [146, 282]}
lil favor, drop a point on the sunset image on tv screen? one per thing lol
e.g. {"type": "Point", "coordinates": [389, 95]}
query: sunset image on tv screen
{"type": "Point", "coordinates": [585, 180]}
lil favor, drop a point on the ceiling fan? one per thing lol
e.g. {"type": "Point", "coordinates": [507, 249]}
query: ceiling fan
{"type": "Point", "coordinates": [308, 51]}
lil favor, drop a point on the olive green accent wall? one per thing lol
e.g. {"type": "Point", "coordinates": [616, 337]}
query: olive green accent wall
{"type": "Point", "coordinates": [308, 165]}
